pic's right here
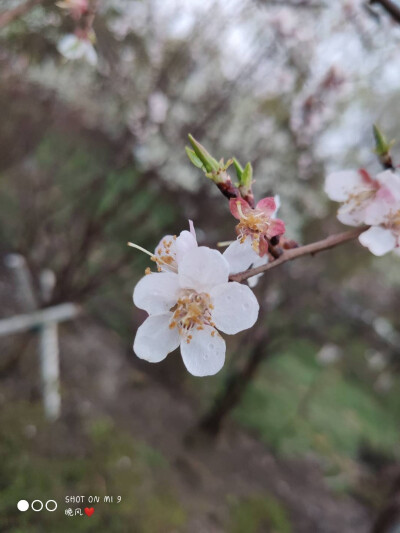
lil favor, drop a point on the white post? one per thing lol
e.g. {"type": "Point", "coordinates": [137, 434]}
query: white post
{"type": "Point", "coordinates": [50, 370]}
{"type": "Point", "coordinates": [48, 335]}
{"type": "Point", "coordinates": [23, 281]}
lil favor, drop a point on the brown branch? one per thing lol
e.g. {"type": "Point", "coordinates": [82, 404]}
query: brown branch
{"type": "Point", "coordinates": [390, 7]}
{"type": "Point", "coordinates": [8, 16]}
{"type": "Point", "coordinates": [308, 249]}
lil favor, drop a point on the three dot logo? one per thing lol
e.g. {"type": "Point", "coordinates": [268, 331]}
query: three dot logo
{"type": "Point", "coordinates": [37, 505]}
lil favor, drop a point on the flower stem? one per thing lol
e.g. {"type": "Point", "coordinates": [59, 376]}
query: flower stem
{"type": "Point", "coordinates": [308, 249]}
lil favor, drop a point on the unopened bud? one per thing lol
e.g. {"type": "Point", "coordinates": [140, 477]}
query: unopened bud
{"type": "Point", "coordinates": [382, 147]}
{"type": "Point", "coordinates": [210, 164]}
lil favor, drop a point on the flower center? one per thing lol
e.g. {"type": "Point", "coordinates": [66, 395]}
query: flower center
{"type": "Point", "coordinates": [254, 224]}
{"type": "Point", "coordinates": [393, 222]}
{"type": "Point", "coordinates": [192, 310]}
{"type": "Point", "coordinates": [357, 199]}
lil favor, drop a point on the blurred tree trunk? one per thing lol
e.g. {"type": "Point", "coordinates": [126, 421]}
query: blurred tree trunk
{"type": "Point", "coordinates": [235, 386]}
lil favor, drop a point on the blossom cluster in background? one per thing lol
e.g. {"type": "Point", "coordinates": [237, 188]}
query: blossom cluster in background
{"type": "Point", "coordinates": [79, 45]}
{"type": "Point", "coordinates": [373, 201]}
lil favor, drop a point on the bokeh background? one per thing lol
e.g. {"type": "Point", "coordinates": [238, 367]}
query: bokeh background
{"type": "Point", "coordinates": [300, 431]}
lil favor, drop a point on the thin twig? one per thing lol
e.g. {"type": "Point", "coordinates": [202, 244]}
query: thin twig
{"type": "Point", "coordinates": [390, 7]}
{"type": "Point", "coordinates": [8, 16]}
{"type": "Point", "coordinates": [308, 249]}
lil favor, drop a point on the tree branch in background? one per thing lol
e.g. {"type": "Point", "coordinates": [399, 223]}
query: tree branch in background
{"type": "Point", "coordinates": [308, 249]}
{"type": "Point", "coordinates": [389, 6]}
{"type": "Point", "coordinates": [235, 386]}
{"type": "Point", "coordinates": [12, 14]}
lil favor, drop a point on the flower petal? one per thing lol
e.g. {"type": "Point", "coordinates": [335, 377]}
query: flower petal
{"type": "Point", "coordinates": [156, 293]}
{"type": "Point", "coordinates": [267, 206]}
{"type": "Point", "coordinates": [351, 214]}
{"type": "Point", "coordinates": [259, 262]}
{"type": "Point", "coordinates": [202, 269]}
{"type": "Point", "coordinates": [340, 185]}
{"type": "Point", "coordinates": [204, 355]}
{"type": "Point", "coordinates": [244, 207]}
{"type": "Point", "coordinates": [278, 203]}
{"type": "Point", "coordinates": [276, 227]}
{"type": "Point", "coordinates": [377, 211]}
{"type": "Point", "coordinates": [166, 240]}
{"type": "Point", "coordinates": [378, 240]}
{"type": "Point", "coordinates": [390, 181]}
{"type": "Point", "coordinates": [166, 253]}
{"type": "Point", "coordinates": [154, 339]}
{"type": "Point", "coordinates": [184, 243]}
{"type": "Point", "coordinates": [240, 255]}
{"type": "Point", "coordinates": [235, 307]}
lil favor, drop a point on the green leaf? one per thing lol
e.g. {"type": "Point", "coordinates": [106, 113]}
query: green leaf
{"type": "Point", "coordinates": [210, 164]}
{"type": "Point", "coordinates": [247, 176]}
{"type": "Point", "coordinates": [382, 146]}
{"type": "Point", "coordinates": [193, 158]}
{"type": "Point", "coordinates": [238, 168]}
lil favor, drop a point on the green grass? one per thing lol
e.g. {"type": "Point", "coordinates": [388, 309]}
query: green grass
{"type": "Point", "coordinates": [107, 461]}
{"type": "Point", "coordinates": [259, 514]}
{"type": "Point", "coordinates": [297, 406]}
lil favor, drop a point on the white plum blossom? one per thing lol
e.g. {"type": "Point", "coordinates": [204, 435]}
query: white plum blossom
{"type": "Point", "coordinates": [250, 249]}
{"type": "Point", "coordinates": [187, 307]}
{"type": "Point", "coordinates": [355, 190]}
{"type": "Point", "coordinates": [383, 215]}
{"type": "Point", "coordinates": [371, 201]}
{"type": "Point", "coordinates": [73, 47]}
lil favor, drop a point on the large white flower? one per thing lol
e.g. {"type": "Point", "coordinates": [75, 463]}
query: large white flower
{"type": "Point", "coordinates": [186, 308]}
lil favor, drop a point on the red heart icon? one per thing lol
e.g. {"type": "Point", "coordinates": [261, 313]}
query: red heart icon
{"type": "Point", "coordinates": [89, 510]}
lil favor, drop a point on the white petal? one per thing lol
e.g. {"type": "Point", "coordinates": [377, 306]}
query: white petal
{"type": "Point", "coordinates": [204, 355]}
{"type": "Point", "coordinates": [71, 47]}
{"type": "Point", "coordinates": [240, 255]}
{"type": "Point", "coordinates": [235, 307]}
{"type": "Point", "coordinates": [202, 269]}
{"type": "Point", "coordinates": [259, 262]}
{"type": "Point", "coordinates": [390, 180]}
{"type": "Point", "coordinates": [90, 54]}
{"type": "Point", "coordinates": [340, 185]}
{"type": "Point", "coordinates": [184, 243]}
{"type": "Point", "coordinates": [378, 240]}
{"type": "Point", "coordinates": [157, 293]}
{"type": "Point", "coordinates": [154, 339]}
{"type": "Point", "coordinates": [167, 243]}
{"type": "Point", "coordinates": [377, 212]}
{"type": "Point", "coordinates": [278, 204]}
{"type": "Point", "coordinates": [351, 214]}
